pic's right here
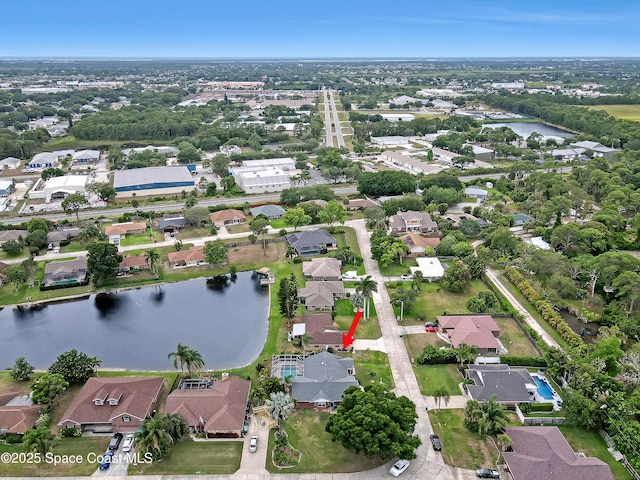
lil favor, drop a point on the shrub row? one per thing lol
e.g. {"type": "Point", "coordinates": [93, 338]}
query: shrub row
{"type": "Point", "coordinates": [542, 407]}
{"type": "Point", "coordinates": [432, 356]}
{"type": "Point", "coordinates": [523, 361]}
{"type": "Point", "coordinates": [543, 307]}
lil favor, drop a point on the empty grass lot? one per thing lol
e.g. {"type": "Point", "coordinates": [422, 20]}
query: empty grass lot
{"type": "Point", "coordinates": [187, 457]}
{"type": "Point", "coordinates": [460, 447]}
{"type": "Point", "coordinates": [370, 361]}
{"type": "Point", "coordinates": [142, 238]}
{"type": "Point", "coordinates": [366, 329]}
{"type": "Point", "coordinates": [514, 339]}
{"type": "Point", "coordinates": [306, 430]}
{"type": "Point", "coordinates": [68, 446]}
{"type": "Point", "coordinates": [434, 300]}
{"type": "Point", "coordinates": [432, 377]}
{"type": "Point", "coordinates": [624, 112]}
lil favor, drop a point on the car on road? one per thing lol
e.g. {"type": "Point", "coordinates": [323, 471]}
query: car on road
{"type": "Point", "coordinates": [114, 444]}
{"type": "Point", "coordinates": [431, 329]}
{"type": "Point", "coordinates": [253, 444]}
{"type": "Point", "coordinates": [399, 467]}
{"type": "Point", "coordinates": [128, 443]}
{"type": "Point", "coordinates": [487, 473]}
{"type": "Point", "coordinates": [406, 276]}
{"type": "Point", "coordinates": [106, 460]}
{"type": "Point", "coordinates": [435, 441]}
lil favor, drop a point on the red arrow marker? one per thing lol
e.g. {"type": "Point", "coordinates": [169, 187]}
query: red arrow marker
{"type": "Point", "coordinates": [348, 338]}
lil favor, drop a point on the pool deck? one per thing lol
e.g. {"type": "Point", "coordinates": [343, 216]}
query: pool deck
{"type": "Point", "coordinates": [557, 400]}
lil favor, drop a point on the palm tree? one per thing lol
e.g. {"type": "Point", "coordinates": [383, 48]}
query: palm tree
{"type": "Point", "coordinates": [152, 256]}
{"type": "Point", "coordinates": [493, 419]}
{"type": "Point", "coordinates": [291, 252]}
{"type": "Point", "coordinates": [193, 361]}
{"type": "Point", "coordinates": [39, 440]}
{"type": "Point", "coordinates": [179, 356]}
{"type": "Point", "coordinates": [472, 414]}
{"type": "Point", "coordinates": [280, 405]}
{"type": "Point", "coordinates": [366, 287]}
{"type": "Point", "coordinates": [152, 435]}
{"type": "Point", "coordinates": [465, 353]}
{"type": "Point", "coordinates": [504, 441]}
{"type": "Point", "coordinates": [441, 393]}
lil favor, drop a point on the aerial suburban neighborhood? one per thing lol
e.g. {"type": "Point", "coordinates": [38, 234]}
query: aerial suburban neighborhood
{"type": "Point", "coordinates": [320, 268]}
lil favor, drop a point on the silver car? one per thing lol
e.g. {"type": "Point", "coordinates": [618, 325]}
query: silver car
{"type": "Point", "coordinates": [253, 444]}
{"type": "Point", "coordinates": [399, 467]}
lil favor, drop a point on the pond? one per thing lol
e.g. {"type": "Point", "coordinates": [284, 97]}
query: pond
{"type": "Point", "coordinates": [524, 129]}
{"type": "Point", "coordinates": [225, 320]}
{"type": "Point", "coordinates": [588, 331]}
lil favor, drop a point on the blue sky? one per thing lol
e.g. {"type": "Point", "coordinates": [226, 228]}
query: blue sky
{"type": "Point", "coordinates": [326, 28]}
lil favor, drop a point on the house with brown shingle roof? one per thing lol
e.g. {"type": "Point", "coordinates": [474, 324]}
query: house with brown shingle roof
{"type": "Point", "coordinates": [412, 221]}
{"type": "Point", "coordinates": [417, 243]}
{"type": "Point", "coordinates": [321, 269]}
{"type": "Point", "coordinates": [321, 331]}
{"type": "Point", "coordinates": [114, 404]}
{"type": "Point", "coordinates": [133, 263]}
{"type": "Point", "coordinates": [321, 296]}
{"type": "Point", "coordinates": [219, 408]}
{"type": "Point", "coordinates": [479, 331]}
{"type": "Point", "coordinates": [16, 417]}
{"type": "Point", "coordinates": [17, 235]}
{"type": "Point", "coordinates": [544, 453]}
{"type": "Point", "coordinates": [118, 231]}
{"type": "Point", "coordinates": [227, 217]}
{"type": "Point", "coordinates": [193, 257]}
{"type": "Point", "coordinates": [360, 204]}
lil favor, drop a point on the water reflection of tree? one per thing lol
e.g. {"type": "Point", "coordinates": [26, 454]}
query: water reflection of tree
{"type": "Point", "coordinates": [218, 282]}
{"type": "Point", "coordinates": [157, 294]}
{"type": "Point", "coordinates": [108, 304]}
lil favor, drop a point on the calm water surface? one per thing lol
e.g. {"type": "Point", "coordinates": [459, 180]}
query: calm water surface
{"type": "Point", "coordinates": [524, 129]}
{"type": "Point", "coordinates": [136, 329]}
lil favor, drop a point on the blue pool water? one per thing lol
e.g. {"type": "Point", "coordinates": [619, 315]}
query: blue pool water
{"type": "Point", "coordinates": [543, 389]}
{"type": "Point", "coordinates": [287, 371]}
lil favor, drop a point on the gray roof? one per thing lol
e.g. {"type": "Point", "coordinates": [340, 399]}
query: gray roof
{"type": "Point", "coordinates": [6, 235]}
{"type": "Point", "coordinates": [172, 222]}
{"type": "Point", "coordinates": [58, 235]}
{"type": "Point", "coordinates": [10, 161]}
{"type": "Point", "coordinates": [310, 240]}
{"type": "Point", "coordinates": [325, 378]}
{"type": "Point", "coordinates": [151, 175]}
{"type": "Point", "coordinates": [267, 210]}
{"type": "Point", "coordinates": [509, 384]}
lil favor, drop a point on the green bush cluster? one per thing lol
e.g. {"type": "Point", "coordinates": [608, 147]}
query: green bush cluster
{"type": "Point", "coordinates": [542, 407]}
{"type": "Point", "coordinates": [70, 432]}
{"type": "Point", "coordinates": [432, 356]}
{"type": "Point", "coordinates": [543, 307]}
{"type": "Point", "coordinates": [514, 360]}
{"type": "Point", "coordinates": [13, 439]}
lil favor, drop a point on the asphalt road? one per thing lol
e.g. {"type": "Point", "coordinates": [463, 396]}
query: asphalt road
{"type": "Point", "coordinates": [165, 207]}
{"type": "Point", "coordinates": [332, 121]}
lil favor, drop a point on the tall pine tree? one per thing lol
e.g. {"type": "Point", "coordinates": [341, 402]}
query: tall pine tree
{"type": "Point", "coordinates": [288, 300]}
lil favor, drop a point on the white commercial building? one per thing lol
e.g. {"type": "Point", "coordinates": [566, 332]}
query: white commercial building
{"type": "Point", "coordinates": [407, 162]}
{"type": "Point", "coordinates": [281, 163]}
{"type": "Point", "coordinates": [398, 117]}
{"type": "Point", "coordinates": [171, 151]}
{"type": "Point", "coordinates": [59, 187]}
{"type": "Point", "coordinates": [49, 159]}
{"type": "Point", "coordinates": [261, 179]}
{"type": "Point", "coordinates": [391, 140]}
{"type": "Point", "coordinates": [430, 267]}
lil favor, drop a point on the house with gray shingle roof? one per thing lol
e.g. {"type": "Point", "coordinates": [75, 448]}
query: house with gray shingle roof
{"type": "Point", "coordinates": [321, 296]}
{"type": "Point", "coordinates": [511, 385]}
{"type": "Point", "coordinates": [269, 211]}
{"type": "Point", "coordinates": [322, 269]}
{"type": "Point", "coordinates": [326, 376]}
{"type": "Point", "coordinates": [70, 273]}
{"type": "Point", "coordinates": [311, 242]}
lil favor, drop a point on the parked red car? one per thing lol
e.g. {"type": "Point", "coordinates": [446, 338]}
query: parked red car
{"type": "Point", "coordinates": [431, 329]}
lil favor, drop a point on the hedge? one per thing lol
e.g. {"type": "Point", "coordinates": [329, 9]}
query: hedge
{"type": "Point", "coordinates": [543, 307]}
{"type": "Point", "coordinates": [523, 361]}
{"type": "Point", "coordinates": [432, 356]}
{"type": "Point", "coordinates": [541, 407]}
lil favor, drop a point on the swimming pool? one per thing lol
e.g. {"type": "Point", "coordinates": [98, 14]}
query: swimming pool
{"type": "Point", "coordinates": [544, 390]}
{"type": "Point", "coordinates": [288, 371]}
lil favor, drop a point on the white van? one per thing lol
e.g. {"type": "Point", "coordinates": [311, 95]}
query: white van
{"type": "Point", "coordinates": [350, 275]}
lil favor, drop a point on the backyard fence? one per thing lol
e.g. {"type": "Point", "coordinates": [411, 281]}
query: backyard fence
{"type": "Point", "coordinates": [618, 455]}
{"type": "Point", "coordinates": [539, 420]}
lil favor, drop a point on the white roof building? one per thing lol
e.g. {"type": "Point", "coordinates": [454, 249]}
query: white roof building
{"type": "Point", "coordinates": [285, 164]}
{"type": "Point", "coordinates": [398, 117]}
{"type": "Point", "coordinates": [391, 140]}
{"type": "Point", "coordinates": [537, 242]}
{"type": "Point", "coordinates": [10, 163]}
{"type": "Point", "coordinates": [166, 150]}
{"type": "Point", "coordinates": [86, 156]}
{"type": "Point", "coordinates": [48, 159]}
{"type": "Point", "coordinates": [430, 267]}
{"type": "Point", "coordinates": [413, 165]}
{"type": "Point", "coordinates": [261, 179]}
{"type": "Point", "coordinates": [59, 187]}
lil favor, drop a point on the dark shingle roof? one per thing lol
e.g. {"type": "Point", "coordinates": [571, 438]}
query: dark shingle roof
{"type": "Point", "coordinates": [325, 378]}
{"type": "Point", "coordinates": [509, 384]}
{"type": "Point", "coordinates": [309, 241]}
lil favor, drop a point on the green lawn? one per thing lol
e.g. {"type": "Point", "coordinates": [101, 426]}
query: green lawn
{"type": "Point", "coordinates": [592, 444]}
{"type": "Point", "coordinates": [347, 237]}
{"type": "Point", "coordinates": [460, 447]}
{"type": "Point", "coordinates": [434, 301]}
{"type": "Point", "coordinates": [278, 223]}
{"type": "Point", "coordinates": [625, 112]}
{"type": "Point", "coordinates": [432, 377]}
{"type": "Point", "coordinates": [187, 457]}
{"type": "Point", "coordinates": [367, 329]}
{"type": "Point", "coordinates": [514, 339]}
{"type": "Point", "coordinates": [371, 361]}
{"type": "Point", "coordinates": [142, 238]}
{"type": "Point", "coordinates": [306, 430]}
{"type": "Point", "coordinates": [68, 446]}
{"type": "Point", "coordinates": [395, 269]}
